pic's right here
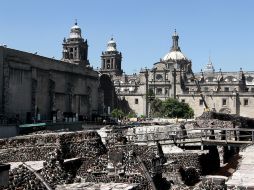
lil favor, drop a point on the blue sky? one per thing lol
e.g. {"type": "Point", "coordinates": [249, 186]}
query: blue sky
{"type": "Point", "coordinates": [223, 29]}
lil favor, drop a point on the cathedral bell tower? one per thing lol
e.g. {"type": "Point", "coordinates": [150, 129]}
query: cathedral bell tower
{"type": "Point", "coordinates": [111, 60]}
{"type": "Point", "coordinates": [75, 49]}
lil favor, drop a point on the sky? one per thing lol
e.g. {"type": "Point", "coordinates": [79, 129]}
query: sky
{"type": "Point", "coordinates": [221, 29]}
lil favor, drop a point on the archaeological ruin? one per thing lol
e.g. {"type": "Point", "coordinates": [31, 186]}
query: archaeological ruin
{"type": "Point", "coordinates": [211, 152]}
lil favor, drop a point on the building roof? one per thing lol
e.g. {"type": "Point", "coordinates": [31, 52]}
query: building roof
{"type": "Point", "coordinates": [175, 52]}
{"type": "Point", "coordinates": [174, 55]}
{"type": "Point", "coordinates": [75, 31]}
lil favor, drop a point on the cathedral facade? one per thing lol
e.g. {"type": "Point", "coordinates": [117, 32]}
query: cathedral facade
{"type": "Point", "coordinates": [172, 77]}
{"type": "Point", "coordinates": [37, 88]}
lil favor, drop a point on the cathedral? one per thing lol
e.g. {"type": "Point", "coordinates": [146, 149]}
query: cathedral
{"type": "Point", "coordinates": [36, 88]}
{"type": "Point", "coordinates": [172, 77]}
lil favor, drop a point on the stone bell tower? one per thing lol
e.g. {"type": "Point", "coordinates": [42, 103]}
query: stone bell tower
{"type": "Point", "coordinates": [75, 49]}
{"type": "Point", "coordinates": [111, 60]}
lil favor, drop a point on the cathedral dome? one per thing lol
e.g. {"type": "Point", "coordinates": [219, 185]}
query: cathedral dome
{"type": "Point", "coordinates": [111, 45]}
{"type": "Point", "coordinates": [174, 55]}
{"type": "Point", "coordinates": [75, 31]}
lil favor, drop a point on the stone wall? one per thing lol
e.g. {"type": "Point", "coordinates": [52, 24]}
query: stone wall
{"type": "Point", "coordinates": [202, 163]}
{"type": "Point", "coordinates": [33, 84]}
{"type": "Point", "coordinates": [35, 147]}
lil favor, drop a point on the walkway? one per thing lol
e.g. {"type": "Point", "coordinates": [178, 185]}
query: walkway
{"type": "Point", "coordinates": [202, 136]}
{"type": "Point", "coordinates": [244, 175]}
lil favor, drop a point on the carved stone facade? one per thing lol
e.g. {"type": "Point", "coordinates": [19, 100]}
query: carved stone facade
{"type": "Point", "coordinates": [34, 87]}
{"type": "Point", "coordinates": [231, 92]}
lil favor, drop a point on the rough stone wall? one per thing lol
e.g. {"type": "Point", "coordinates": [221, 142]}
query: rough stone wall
{"type": "Point", "coordinates": [238, 121]}
{"type": "Point", "coordinates": [22, 178]}
{"type": "Point", "coordinates": [36, 147]}
{"type": "Point", "coordinates": [185, 160]}
{"type": "Point", "coordinates": [121, 165]}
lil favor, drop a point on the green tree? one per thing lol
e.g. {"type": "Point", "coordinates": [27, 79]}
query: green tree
{"type": "Point", "coordinates": [117, 113]}
{"type": "Point", "coordinates": [174, 108]}
{"type": "Point", "coordinates": [156, 108]}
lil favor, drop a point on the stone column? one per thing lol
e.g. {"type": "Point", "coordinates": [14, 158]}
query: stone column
{"type": "Point", "coordinates": [221, 154]}
{"type": "Point", "coordinates": [114, 64]}
{"type": "Point", "coordinates": [77, 53]}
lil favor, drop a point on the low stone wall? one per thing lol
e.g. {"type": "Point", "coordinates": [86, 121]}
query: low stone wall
{"type": "Point", "coordinates": [35, 147]}
{"type": "Point", "coordinates": [184, 160]}
{"type": "Point", "coordinates": [214, 123]}
{"type": "Point", "coordinates": [24, 154]}
{"type": "Point", "coordinates": [22, 178]}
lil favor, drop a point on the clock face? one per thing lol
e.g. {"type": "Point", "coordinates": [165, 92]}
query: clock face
{"type": "Point", "coordinates": [159, 77]}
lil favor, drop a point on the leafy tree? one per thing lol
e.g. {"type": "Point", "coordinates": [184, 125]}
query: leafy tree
{"type": "Point", "coordinates": [174, 108]}
{"type": "Point", "coordinates": [117, 113]}
{"type": "Point", "coordinates": [170, 108]}
{"type": "Point", "coordinates": [157, 108]}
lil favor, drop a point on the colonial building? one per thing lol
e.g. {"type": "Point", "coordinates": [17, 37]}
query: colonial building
{"type": "Point", "coordinates": [172, 76]}
{"type": "Point", "coordinates": [34, 87]}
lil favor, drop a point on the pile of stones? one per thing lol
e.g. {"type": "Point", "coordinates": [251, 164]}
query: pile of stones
{"type": "Point", "coordinates": [209, 184]}
{"type": "Point", "coordinates": [242, 122]}
{"type": "Point", "coordinates": [23, 178]}
{"type": "Point", "coordinates": [214, 123]}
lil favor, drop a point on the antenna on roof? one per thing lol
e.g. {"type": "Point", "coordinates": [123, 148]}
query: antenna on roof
{"type": "Point", "coordinates": [76, 22]}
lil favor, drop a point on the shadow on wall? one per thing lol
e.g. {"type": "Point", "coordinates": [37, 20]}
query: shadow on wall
{"type": "Point", "coordinates": [107, 87]}
{"type": "Point", "coordinates": [124, 106]}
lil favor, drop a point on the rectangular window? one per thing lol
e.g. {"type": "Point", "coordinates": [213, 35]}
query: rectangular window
{"type": "Point", "coordinates": [136, 101]}
{"type": "Point", "coordinates": [224, 102]}
{"type": "Point", "coordinates": [201, 102]}
{"type": "Point", "coordinates": [226, 89]}
{"type": "Point", "coordinates": [246, 102]}
{"type": "Point", "coordinates": [252, 89]}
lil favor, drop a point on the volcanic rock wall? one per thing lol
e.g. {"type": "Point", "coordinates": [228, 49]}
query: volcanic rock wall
{"type": "Point", "coordinates": [35, 147]}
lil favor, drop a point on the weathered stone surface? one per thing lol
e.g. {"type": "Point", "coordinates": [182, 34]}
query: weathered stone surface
{"type": "Point", "coordinates": [36, 147]}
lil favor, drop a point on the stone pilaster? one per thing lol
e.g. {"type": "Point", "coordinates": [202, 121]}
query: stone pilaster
{"type": "Point", "coordinates": [51, 91]}
{"type": "Point", "coordinates": [33, 93]}
{"type": "Point", "coordinates": [6, 81]}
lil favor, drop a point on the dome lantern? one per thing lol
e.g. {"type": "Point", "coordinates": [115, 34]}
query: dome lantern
{"type": "Point", "coordinates": [75, 31]}
{"type": "Point", "coordinates": [175, 53]}
{"type": "Point", "coordinates": [111, 45]}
